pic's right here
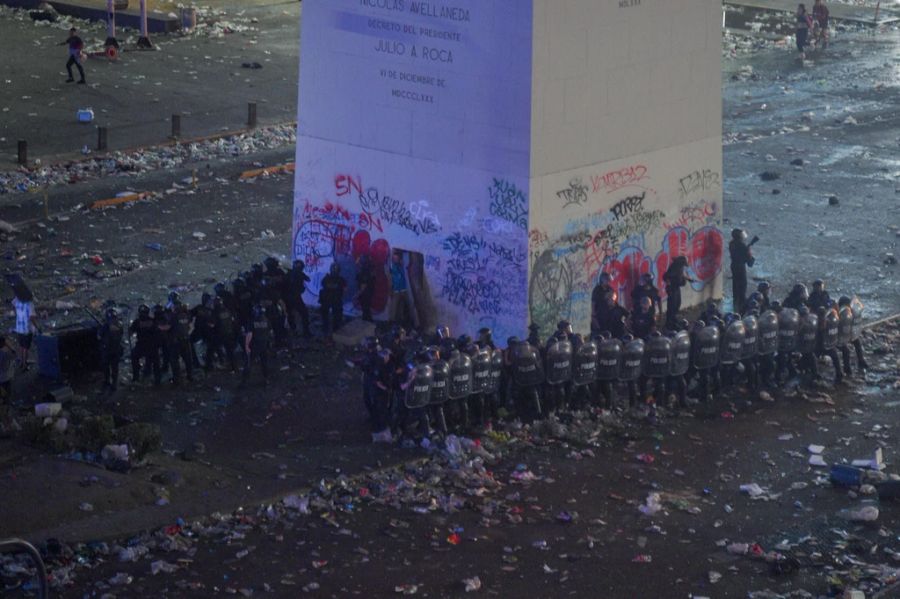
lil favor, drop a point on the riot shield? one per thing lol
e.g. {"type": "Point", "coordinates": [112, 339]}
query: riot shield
{"type": "Point", "coordinates": [680, 359]}
{"type": "Point", "coordinates": [768, 333]}
{"type": "Point", "coordinates": [806, 338]}
{"type": "Point", "coordinates": [585, 364]}
{"type": "Point", "coordinates": [788, 325]}
{"type": "Point", "coordinates": [440, 378]}
{"type": "Point", "coordinates": [418, 393]}
{"type": "Point", "coordinates": [609, 359]}
{"type": "Point", "coordinates": [460, 377]}
{"type": "Point", "coordinates": [481, 371]}
{"type": "Point", "coordinates": [845, 326]}
{"type": "Point", "coordinates": [751, 338]}
{"type": "Point", "coordinates": [559, 362]}
{"type": "Point", "coordinates": [732, 348]}
{"type": "Point", "coordinates": [706, 348]}
{"type": "Point", "coordinates": [632, 360]}
{"type": "Point", "coordinates": [657, 353]}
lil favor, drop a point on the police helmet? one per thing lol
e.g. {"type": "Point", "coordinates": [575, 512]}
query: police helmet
{"type": "Point", "coordinates": [111, 313]}
{"type": "Point", "coordinates": [844, 301]}
{"type": "Point", "coordinates": [775, 306]}
{"type": "Point", "coordinates": [764, 287]}
{"type": "Point", "coordinates": [818, 285]}
{"type": "Point", "coordinates": [564, 326]}
{"type": "Point", "coordinates": [803, 311]}
{"type": "Point", "coordinates": [801, 291]}
{"type": "Point", "coordinates": [271, 262]}
{"type": "Point", "coordinates": [143, 310]}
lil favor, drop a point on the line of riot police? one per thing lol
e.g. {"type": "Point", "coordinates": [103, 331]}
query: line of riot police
{"type": "Point", "coordinates": [445, 384]}
{"type": "Point", "coordinates": [244, 321]}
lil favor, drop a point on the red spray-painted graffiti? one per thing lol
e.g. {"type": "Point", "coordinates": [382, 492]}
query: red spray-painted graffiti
{"type": "Point", "coordinates": [615, 180]}
{"type": "Point", "coordinates": [703, 250]}
{"type": "Point", "coordinates": [331, 233]}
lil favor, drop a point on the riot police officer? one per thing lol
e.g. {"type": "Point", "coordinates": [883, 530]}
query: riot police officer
{"type": "Point", "coordinates": [827, 339]}
{"type": "Point", "coordinates": [243, 297]}
{"type": "Point", "coordinates": [806, 342]}
{"type": "Point", "coordinates": [646, 288]}
{"type": "Point", "coordinates": [224, 332]}
{"type": "Point", "coordinates": [110, 335]}
{"type": "Point", "coordinates": [741, 258]}
{"type": "Point", "coordinates": [331, 299]}
{"type": "Point", "coordinates": [819, 297]}
{"type": "Point", "coordinates": [163, 326]}
{"type": "Point", "coordinates": [180, 339]}
{"type": "Point", "coordinates": [295, 288]}
{"type": "Point", "coordinates": [642, 321]}
{"type": "Point", "coordinates": [145, 347]}
{"type": "Point", "coordinates": [855, 306]}
{"type": "Point", "coordinates": [799, 296]}
{"type": "Point", "coordinates": [384, 374]}
{"type": "Point", "coordinates": [534, 335]}
{"type": "Point", "coordinates": [675, 277]}
{"type": "Point", "coordinates": [602, 290]}
{"type": "Point", "coordinates": [257, 339]}
{"type": "Point", "coordinates": [765, 289]}
{"type": "Point", "coordinates": [486, 338]}
{"type": "Point", "coordinates": [204, 328]}
{"type": "Point", "coordinates": [615, 318]}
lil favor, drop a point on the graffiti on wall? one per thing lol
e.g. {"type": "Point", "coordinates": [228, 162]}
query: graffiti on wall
{"type": "Point", "coordinates": [694, 215]}
{"type": "Point", "coordinates": [565, 269]}
{"type": "Point", "coordinates": [478, 273]}
{"type": "Point", "coordinates": [615, 180]}
{"type": "Point", "coordinates": [509, 202]}
{"type": "Point", "coordinates": [698, 181]}
{"type": "Point", "coordinates": [575, 194]}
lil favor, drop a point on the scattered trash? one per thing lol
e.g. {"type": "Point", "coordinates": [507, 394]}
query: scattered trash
{"type": "Point", "coordinates": [472, 584]}
{"type": "Point", "coordinates": [868, 513]}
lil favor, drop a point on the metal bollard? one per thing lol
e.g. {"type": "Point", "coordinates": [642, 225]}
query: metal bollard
{"type": "Point", "coordinates": [23, 152]}
{"type": "Point", "coordinates": [176, 126]}
{"type": "Point", "coordinates": [251, 114]}
{"type": "Point", "coordinates": [101, 138]}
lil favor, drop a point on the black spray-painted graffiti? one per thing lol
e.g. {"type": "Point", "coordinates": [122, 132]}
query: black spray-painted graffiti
{"type": "Point", "coordinates": [509, 203]}
{"type": "Point", "coordinates": [479, 274]}
{"type": "Point", "coordinates": [628, 206]}
{"type": "Point", "coordinates": [576, 193]}
{"type": "Point", "coordinates": [394, 211]}
{"type": "Point", "coordinates": [701, 180]}
{"type": "Point", "coordinates": [551, 288]}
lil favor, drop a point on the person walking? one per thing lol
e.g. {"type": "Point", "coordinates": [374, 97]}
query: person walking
{"type": "Point", "coordinates": [76, 45]}
{"type": "Point", "coordinates": [803, 23]}
{"type": "Point", "coordinates": [820, 17]}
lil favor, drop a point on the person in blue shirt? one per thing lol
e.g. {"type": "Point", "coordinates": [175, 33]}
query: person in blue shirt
{"type": "Point", "coordinates": [400, 312]}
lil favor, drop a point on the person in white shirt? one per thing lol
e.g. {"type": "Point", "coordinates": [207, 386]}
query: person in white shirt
{"type": "Point", "coordinates": [26, 321]}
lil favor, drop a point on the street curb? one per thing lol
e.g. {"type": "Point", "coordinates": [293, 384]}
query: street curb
{"type": "Point", "coordinates": [131, 197]}
{"type": "Point", "coordinates": [268, 170]}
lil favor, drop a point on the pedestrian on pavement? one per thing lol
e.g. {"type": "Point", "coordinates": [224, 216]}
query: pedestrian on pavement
{"type": "Point", "coordinates": [803, 23]}
{"type": "Point", "coordinates": [399, 313]}
{"type": "Point", "coordinates": [76, 45]}
{"type": "Point", "coordinates": [26, 321]}
{"type": "Point", "coordinates": [820, 23]}
{"type": "Point", "coordinates": [741, 258]}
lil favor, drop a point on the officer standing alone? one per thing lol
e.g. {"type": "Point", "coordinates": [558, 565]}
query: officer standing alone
{"type": "Point", "coordinates": [741, 258]}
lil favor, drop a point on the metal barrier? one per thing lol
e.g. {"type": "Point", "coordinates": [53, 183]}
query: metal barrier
{"type": "Point", "coordinates": [20, 546]}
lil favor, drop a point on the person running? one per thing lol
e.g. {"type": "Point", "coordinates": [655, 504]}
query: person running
{"type": "Point", "coordinates": [820, 22]}
{"type": "Point", "coordinates": [76, 45]}
{"type": "Point", "coordinates": [803, 23]}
